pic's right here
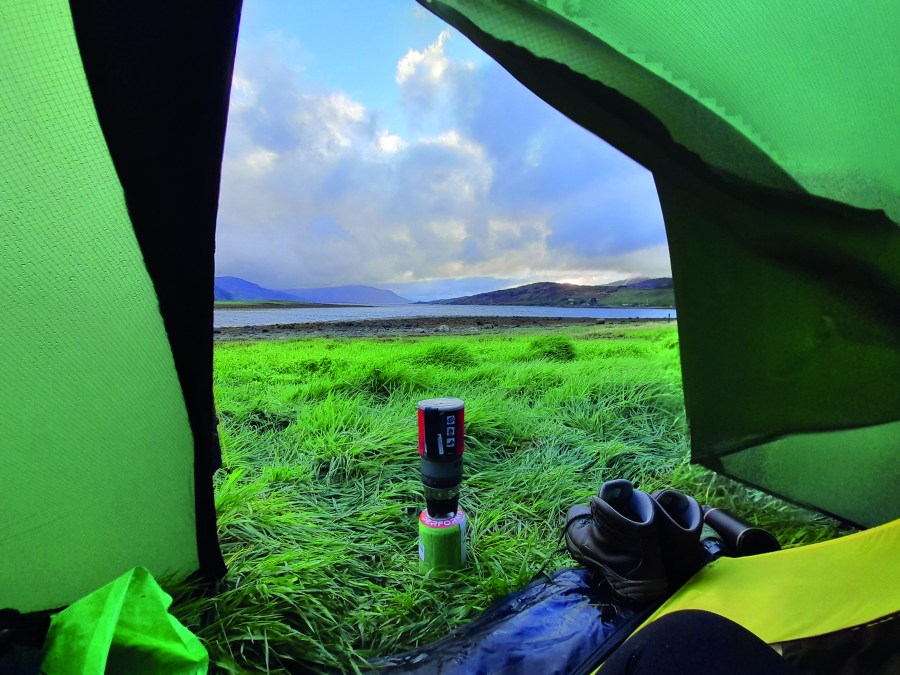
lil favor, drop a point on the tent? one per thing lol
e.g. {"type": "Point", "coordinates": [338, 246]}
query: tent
{"type": "Point", "coordinates": [772, 136]}
{"type": "Point", "coordinates": [112, 132]}
{"type": "Point", "coordinates": [772, 133]}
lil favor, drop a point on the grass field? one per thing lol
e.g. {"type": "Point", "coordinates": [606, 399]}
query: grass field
{"type": "Point", "coordinates": [319, 495]}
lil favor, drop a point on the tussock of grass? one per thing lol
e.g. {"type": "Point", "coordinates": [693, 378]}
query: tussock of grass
{"type": "Point", "coordinates": [552, 348]}
{"type": "Point", "coordinates": [452, 355]}
{"type": "Point", "coordinates": [319, 494]}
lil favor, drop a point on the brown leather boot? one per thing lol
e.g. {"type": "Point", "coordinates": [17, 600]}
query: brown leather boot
{"type": "Point", "coordinates": [617, 537]}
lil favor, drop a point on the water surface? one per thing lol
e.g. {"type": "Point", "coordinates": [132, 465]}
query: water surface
{"type": "Point", "coordinates": [269, 316]}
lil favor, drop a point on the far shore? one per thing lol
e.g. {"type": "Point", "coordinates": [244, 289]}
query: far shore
{"type": "Point", "coordinates": [294, 304]}
{"type": "Point", "coordinates": [277, 304]}
{"type": "Point", "coordinates": [413, 327]}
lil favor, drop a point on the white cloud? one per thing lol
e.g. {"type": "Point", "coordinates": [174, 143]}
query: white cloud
{"type": "Point", "coordinates": [260, 160]}
{"type": "Point", "coordinates": [330, 123]}
{"type": "Point", "coordinates": [243, 94]}
{"type": "Point", "coordinates": [454, 169]}
{"type": "Point", "coordinates": [316, 191]}
{"type": "Point", "coordinates": [450, 232]}
{"type": "Point", "coordinates": [453, 139]}
{"type": "Point", "coordinates": [390, 143]}
{"type": "Point", "coordinates": [429, 80]}
{"type": "Point", "coordinates": [429, 65]}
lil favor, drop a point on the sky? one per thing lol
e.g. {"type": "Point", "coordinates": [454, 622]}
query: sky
{"type": "Point", "coordinates": [370, 143]}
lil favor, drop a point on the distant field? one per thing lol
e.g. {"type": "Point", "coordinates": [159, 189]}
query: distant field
{"type": "Point", "coordinates": [657, 297]}
{"type": "Point", "coordinates": [319, 494]}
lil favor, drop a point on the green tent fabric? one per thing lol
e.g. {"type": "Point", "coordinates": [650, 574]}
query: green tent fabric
{"type": "Point", "coordinates": [123, 627]}
{"type": "Point", "coordinates": [107, 435]}
{"type": "Point", "coordinates": [87, 367]}
{"type": "Point", "coordinates": [772, 133]}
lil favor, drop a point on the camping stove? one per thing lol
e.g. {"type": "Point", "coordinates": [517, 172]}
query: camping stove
{"type": "Point", "coordinates": [442, 525]}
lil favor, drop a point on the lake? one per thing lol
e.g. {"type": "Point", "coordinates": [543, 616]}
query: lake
{"type": "Point", "coordinates": [266, 317]}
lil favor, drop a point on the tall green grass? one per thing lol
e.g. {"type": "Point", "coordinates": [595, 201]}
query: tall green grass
{"type": "Point", "coordinates": [319, 494]}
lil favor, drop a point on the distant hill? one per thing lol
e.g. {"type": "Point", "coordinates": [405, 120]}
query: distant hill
{"type": "Point", "coordinates": [357, 295]}
{"type": "Point", "coordinates": [237, 289]}
{"type": "Point", "coordinates": [631, 293]}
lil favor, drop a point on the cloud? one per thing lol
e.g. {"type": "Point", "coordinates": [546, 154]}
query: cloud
{"type": "Point", "coordinates": [337, 120]}
{"type": "Point", "coordinates": [390, 143]}
{"type": "Point", "coordinates": [485, 182]}
{"type": "Point", "coordinates": [429, 65]}
{"type": "Point", "coordinates": [429, 80]}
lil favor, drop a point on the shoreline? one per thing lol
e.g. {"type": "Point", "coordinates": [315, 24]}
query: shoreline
{"type": "Point", "coordinates": [412, 327]}
{"type": "Point", "coordinates": [240, 305]}
{"type": "Point", "coordinates": [290, 304]}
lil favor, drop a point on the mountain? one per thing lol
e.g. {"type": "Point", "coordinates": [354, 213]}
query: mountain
{"type": "Point", "coordinates": [355, 295]}
{"type": "Point", "coordinates": [630, 293]}
{"type": "Point", "coordinates": [642, 284]}
{"type": "Point", "coordinates": [237, 289]}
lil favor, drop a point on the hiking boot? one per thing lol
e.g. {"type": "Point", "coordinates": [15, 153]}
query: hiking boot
{"type": "Point", "coordinates": [617, 537]}
{"type": "Point", "coordinates": [680, 520]}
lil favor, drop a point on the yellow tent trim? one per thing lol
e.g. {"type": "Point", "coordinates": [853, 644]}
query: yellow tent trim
{"type": "Point", "coordinates": [802, 592]}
